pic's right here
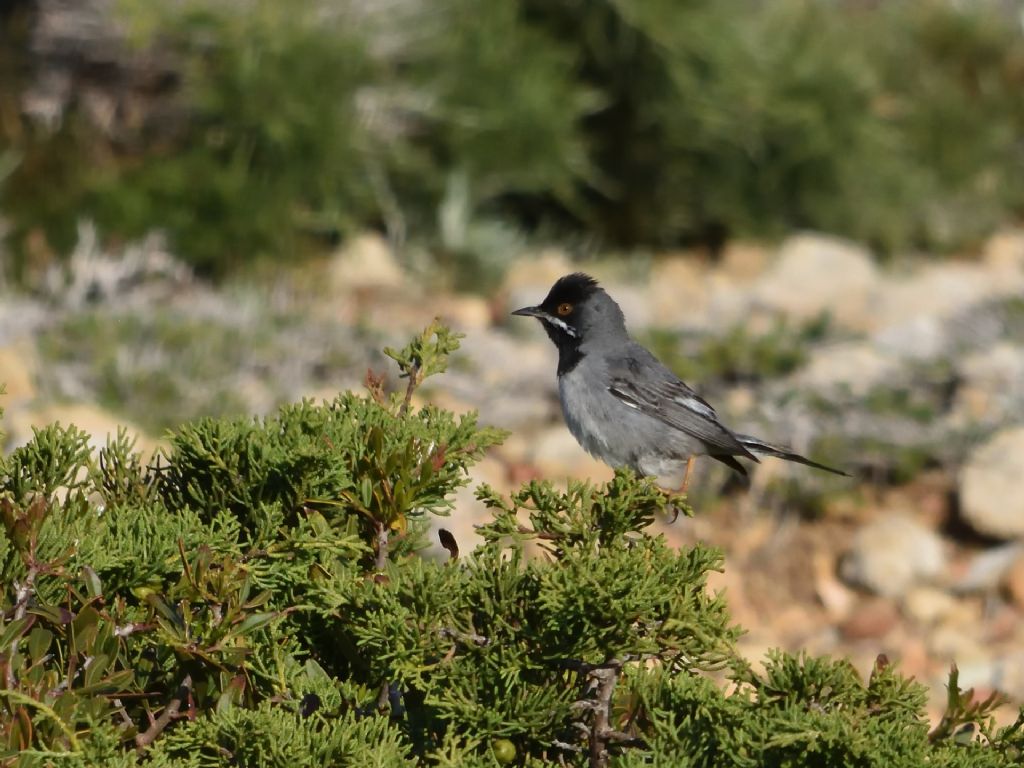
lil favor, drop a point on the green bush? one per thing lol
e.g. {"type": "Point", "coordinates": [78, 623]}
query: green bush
{"type": "Point", "coordinates": [255, 597]}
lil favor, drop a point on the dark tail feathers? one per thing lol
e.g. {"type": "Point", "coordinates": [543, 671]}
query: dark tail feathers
{"type": "Point", "coordinates": [754, 445]}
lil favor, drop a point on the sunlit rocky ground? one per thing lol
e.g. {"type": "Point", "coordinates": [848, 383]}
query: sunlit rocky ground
{"type": "Point", "coordinates": [912, 377]}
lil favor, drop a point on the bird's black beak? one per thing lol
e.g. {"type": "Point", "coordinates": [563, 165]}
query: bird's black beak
{"type": "Point", "coordinates": [530, 312]}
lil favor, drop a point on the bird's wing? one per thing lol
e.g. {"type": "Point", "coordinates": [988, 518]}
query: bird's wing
{"type": "Point", "coordinates": [652, 389]}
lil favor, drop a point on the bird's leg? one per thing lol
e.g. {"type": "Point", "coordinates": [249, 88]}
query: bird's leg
{"type": "Point", "coordinates": [686, 482]}
{"type": "Point", "coordinates": [686, 476]}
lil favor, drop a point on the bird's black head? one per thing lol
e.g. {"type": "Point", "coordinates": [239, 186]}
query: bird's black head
{"type": "Point", "coordinates": [577, 311]}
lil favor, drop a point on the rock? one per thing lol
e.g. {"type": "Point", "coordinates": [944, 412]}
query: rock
{"type": "Point", "coordinates": [938, 290]}
{"type": "Point", "coordinates": [987, 569]}
{"type": "Point", "coordinates": [557, 454]}
{"type": "Point", "coordinates": [856, 367]}
{"type": "Point", "coordinates": [1013, 581]}
{"type": "Point", "coordinates": [366, 262]}
{"type": "Point", "coordinates": [815, 274]}
{"type": "Point", "coordinates": [20, 318]}
{"type": "Point", "coordinates": [922, 338]}
{"type": "Point", "coordinates": [928, 605]}
{"type": "Point", "coordinates": [511, 381]}
{"type": "Point", "coordinates": [18, 366]}
{"type": "Point", "coordinates": [466, 313]}
{"type": "Point", "coordinates": [743, 261]}
{"type": "Point", "coordinates": [678, 292]}
{"type": "Point", "coordinates": [467, 511]}
{"type": "Point", "coordinates": [991, 387]}
{"type": "Point", "coordinates": [529, 279]}
{"type": "Point", "coordinates": [987, 674]}
{"type": "Point", "coordinates": [635, 302]}
{"type": "Point", "coordinates": [892, 554]}
{"type": "Point", "coordinates": [98, 423]}
{"type": "Point", "coordinates": [956, 643]}
{"type": "Point", "coordinates": [836, 598]}
{"type": "Point", "coordinates": [1004, 251]}
{"type": "Point", "coordinates": [991, 492]}
{"type": "Point", "coordinates": [871, 620]}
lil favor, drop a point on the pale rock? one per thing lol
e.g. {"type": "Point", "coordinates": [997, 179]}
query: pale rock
{"type": "Point", "coordinates": [815, 275]}
{"type": "Point", "coordinates": [730, 303]}
{"type": "Point", "coordinates": [515, 449]}
{"type": "Point", "coordinates": [95, 421]}
{"type": "Point", "coordinates": [466, 313]}
{"type": "Point", "coordinates": [634, 301]}
{"type": "Point", "coordinates": [923, 337]}
{"type": "Point", "coordinates": [987, 673]}
{"type": "Point", "coordinates": [991, 386]}
{"type": "Point", "coordinates": [836, 598]}
{"type": "Point", "coordinates": [739, 402]}
{"type": "Point", "coordinates": [1014, 582]}
{"type": "Point", "coordinates": [530, 277]}
{"type": "Point", "coordinates": [1004, 252]}
{"type": "Point", "coordinates": [988, 568]}
{"type": "Point", "coordinates": [510, 381]}
{"type": "Point", "coordinates": [557, 454]}
{"type": "Point", "coordinates": [991, 492]}
{"type": "Point", "coordinates": [678, 292]}
{"type": "Point", "coordinates": [366, 262]}
{"type": "Point", "coordinates": [743, 261]}
{"type": "Point", "coordinates": [18, 365]}
{"type": "Point", "coordinates": [928, 605]}
{"type": "Point", "coordinates": [253, 389]}
{"type": "Point", "coordinates": [937, 290]}
{"type": "Point", "coordinates": [444, 398]}
{"type": "Point", "coordinates": [892, 554]}
{"type": "Point", "coordinates": [956, 643]}
{"type": "Point", "coordinates": [855, 367]}
{"type": "Point", "coordinates": [467, 511]}
{"type": "Point", "coordinates": [21, 317]}
{"type": "Point", "coordinates": [871, 620]}
{"type": "Point", "coordinates": [498, 359]}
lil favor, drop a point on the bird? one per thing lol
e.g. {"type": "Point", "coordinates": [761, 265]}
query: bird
{"type": "Point", "coordinates": [623, 405]}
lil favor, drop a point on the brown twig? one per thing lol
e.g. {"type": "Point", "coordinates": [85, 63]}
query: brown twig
{"type": "Point", "coordinates": [143, 740]}
{"type": "Point", "coordinates": [24, 593]}
{"type": "Point", "coordinates": [604, 679]}
{"type": "Point", "coordinates": [384, 696]}
{"type": "Point", "coordinates": [470, 638]}
{"type": "Point", "coordinates": [125, 719]}
{"type": "Point", "coordinates": [540, 534]}
{"type": "Point", "coordinates": [381, 560]}
{"type": "Point", "coordinates": [414, 381]}
{"type": "Point", "coordinates": [22, 597]}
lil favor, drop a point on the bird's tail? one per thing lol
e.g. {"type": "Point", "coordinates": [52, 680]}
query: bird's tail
{"type": "Point", "coordinates": [756, 445]}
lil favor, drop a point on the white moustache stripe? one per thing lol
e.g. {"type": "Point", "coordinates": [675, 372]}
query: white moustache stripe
{"type": "Point", "coordinates": [561, 324]}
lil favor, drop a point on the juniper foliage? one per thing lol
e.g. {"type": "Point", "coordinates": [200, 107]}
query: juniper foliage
{"type": "Point", "coordinates": [256, 595]}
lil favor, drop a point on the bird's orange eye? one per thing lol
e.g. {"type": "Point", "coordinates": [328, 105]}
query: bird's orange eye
{"type": "Point", "coordinates": [564, 309]}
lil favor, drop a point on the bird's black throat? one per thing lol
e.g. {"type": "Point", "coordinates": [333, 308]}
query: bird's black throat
{"type": "Point", "coordinates": [569, 352]}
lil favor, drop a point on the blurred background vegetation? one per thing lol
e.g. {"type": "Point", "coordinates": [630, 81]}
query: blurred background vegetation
{"type": "Point", "coordinates": [268, 130]}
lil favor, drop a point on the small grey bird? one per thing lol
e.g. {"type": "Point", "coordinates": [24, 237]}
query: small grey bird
{"type": "Point", "coordinates": [621, 404]}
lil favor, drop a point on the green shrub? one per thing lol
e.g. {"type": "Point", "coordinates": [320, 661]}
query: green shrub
{"type": "Point", "coordinates": [255, 597]}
